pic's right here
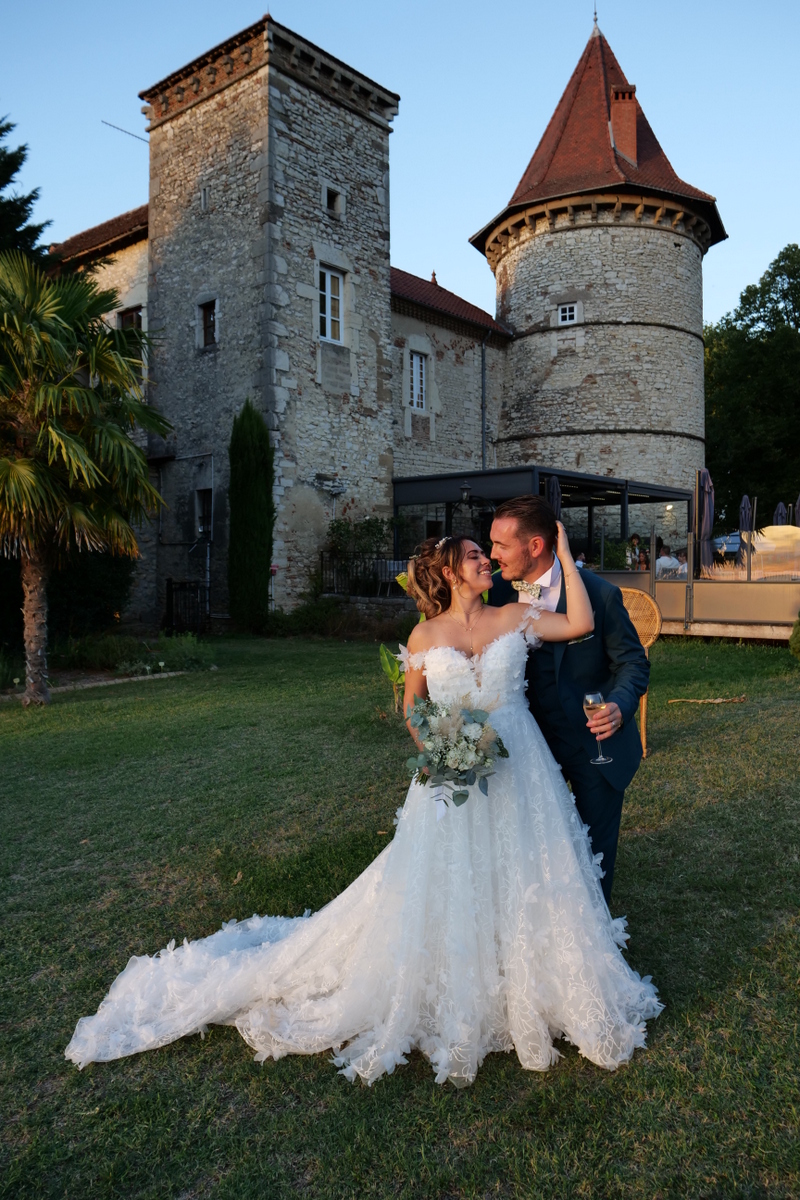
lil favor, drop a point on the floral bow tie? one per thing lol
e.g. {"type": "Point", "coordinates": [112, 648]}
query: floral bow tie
{"type": "Point", "coordinates": [530, 589]}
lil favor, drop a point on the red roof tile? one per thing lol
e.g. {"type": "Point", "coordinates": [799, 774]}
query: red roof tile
{"type": "Point", "coordinates": [112, 235]}
{"type": "Point", "coordinates": [431, 295]}
{"type": "Point", "coordinates": [576, 153]}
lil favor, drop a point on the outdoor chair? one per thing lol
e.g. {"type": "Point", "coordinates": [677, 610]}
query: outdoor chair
{"type": "Point", "coordinates": [646, 616]}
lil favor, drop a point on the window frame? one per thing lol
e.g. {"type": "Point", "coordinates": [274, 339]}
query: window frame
{"type": "Point", "coordinates": [571, 311]}
{"type": "Point", "coordinates": [326, 300]}
{"type": "Point", "coordinates": [417, 400]}
{"type": "Point", "coordinates": [208, 307]}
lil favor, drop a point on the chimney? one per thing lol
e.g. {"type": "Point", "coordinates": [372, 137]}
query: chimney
{"type": "Point", "coordinates": [623, 121]}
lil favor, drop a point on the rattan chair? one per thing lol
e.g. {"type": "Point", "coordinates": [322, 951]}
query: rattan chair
{"type": "Point", "coordinates": [646, 616]}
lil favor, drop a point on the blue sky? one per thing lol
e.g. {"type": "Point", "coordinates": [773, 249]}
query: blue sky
{"type": "Point", "coordinates": [718, 82]}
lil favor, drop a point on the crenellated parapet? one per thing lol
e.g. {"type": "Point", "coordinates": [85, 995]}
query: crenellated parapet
{"type": "Point", "coordinates": [266, 43]}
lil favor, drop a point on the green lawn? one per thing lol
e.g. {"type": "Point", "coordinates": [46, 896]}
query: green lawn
{"type": "Point", "coordinates": [129, 815]}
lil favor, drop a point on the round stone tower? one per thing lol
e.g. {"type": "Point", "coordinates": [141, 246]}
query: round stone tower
{"type": "Point", "coordinates": [598, 263]}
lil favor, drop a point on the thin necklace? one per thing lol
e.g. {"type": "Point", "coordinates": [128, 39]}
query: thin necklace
{"type": "Point", "coordinates": [468, 628]}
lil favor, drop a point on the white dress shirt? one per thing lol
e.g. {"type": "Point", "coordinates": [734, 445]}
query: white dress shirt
{"type": "Point", "coordinates": [550, 583]}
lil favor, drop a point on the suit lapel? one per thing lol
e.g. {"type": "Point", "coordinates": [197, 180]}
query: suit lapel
{"type": "Point", "coordinates": [561, 607]}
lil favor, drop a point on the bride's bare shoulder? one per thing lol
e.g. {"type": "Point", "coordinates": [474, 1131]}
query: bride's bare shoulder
{"type": "Point", "coordinates": [428, 633]}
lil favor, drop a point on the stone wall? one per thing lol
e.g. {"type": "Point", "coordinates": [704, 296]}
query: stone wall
{"type": "Point", "coordinates": [126, 271]}
{"type": "Point", "coordinates": [447, 436]}
{"type": "Point", "coordinates": [620, 392]}
{"type": "Point", "coordinates": [206, 168]}
{"type": "Point", "coordinates": [330, 405]}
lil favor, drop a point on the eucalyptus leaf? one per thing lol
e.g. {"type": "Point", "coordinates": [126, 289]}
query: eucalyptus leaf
{"type": "Point", "coordinates": [480, 716]}
{"type": "Point", "coordinates": [483, 784]}
{"type": "Point", "coordinates": [460, 798]}
{"type": "Point", "coordinates": [470, 779]}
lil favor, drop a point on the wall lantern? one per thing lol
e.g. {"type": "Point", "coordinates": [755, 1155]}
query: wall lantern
{"type": "Point", "coordinates": [466, 492]}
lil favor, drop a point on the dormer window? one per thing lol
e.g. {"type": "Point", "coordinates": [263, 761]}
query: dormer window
{"type": "Point", "coordinates": [567, 314]}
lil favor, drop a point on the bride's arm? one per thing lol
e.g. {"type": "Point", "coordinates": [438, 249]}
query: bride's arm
{"type": "Point", "coordinates": [579, 618]}
{"type": "Point", "coordinates": [416, 684]}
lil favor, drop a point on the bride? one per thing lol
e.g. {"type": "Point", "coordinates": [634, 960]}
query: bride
{"type": "Point", "coordinates": [485, 931]}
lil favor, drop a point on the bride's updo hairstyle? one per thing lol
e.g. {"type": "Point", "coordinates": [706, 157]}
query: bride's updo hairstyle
{"type": "Point", "coordinates": [427, 585]}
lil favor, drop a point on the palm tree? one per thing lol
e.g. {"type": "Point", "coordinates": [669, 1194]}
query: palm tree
{"type": "Point", "coordinates": [71, 475]}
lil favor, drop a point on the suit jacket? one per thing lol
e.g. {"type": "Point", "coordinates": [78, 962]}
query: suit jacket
{"type": "Point", "coordinates": [611, 660]}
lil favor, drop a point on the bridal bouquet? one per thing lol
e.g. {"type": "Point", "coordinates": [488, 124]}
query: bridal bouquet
{"type": "Point", "coordinates": [460, 748]}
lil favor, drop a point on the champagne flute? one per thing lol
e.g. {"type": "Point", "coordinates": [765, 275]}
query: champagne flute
{"type": "Point", "coordinates": [593, 702]}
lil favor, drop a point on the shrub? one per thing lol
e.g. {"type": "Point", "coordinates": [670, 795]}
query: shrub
{"type": "Point", "coordinates": [132, 656]}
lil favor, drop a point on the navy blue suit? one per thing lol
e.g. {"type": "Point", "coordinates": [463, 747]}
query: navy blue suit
{"type": "Point", "coordinates": [612, 661]}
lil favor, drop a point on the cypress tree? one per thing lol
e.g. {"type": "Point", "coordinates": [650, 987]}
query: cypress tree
{"type": "Point", "coordinates": [252, 517]}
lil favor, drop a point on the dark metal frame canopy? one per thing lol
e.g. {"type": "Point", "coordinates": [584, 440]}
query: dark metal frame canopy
{"type": "Point", "coordinates": [578, 490]}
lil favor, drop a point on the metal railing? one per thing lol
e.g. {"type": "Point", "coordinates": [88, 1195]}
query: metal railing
{"type": "Point", "coordinates": [188, 606]}
{"type": "Point", "coordinates": [360, 574]}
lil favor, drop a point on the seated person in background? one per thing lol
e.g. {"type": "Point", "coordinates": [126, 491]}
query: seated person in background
{"type": "Point", "coordinates": [665, 563]}
{"type": "Point", "coordinates": [632, 553]}
{"type": "Point", "coordinates": [580, 561]}
{"type": "Point", "coordinates": [683, 564]}
{"type": "Point", "coordinates": [643, 561]}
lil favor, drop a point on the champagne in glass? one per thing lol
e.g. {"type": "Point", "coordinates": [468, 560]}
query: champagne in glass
{"type": "Point", "coordinates": [593, 702]}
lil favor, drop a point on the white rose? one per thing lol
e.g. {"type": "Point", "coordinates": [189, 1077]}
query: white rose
{"type": "Point", "coordinates": [472, 731]}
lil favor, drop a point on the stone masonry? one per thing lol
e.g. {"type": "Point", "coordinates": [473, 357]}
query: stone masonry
{"type": "Point", "coordinates": [269, 165]}
{"type": "Point", "coordinates": [620, 391]}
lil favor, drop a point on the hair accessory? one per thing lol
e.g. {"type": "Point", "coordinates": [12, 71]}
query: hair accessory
{"type": "Point", "coordinates": [440, 543]}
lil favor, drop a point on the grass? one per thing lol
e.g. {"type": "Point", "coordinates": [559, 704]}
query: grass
{"type": "Point", "coordinates": [129, 816]}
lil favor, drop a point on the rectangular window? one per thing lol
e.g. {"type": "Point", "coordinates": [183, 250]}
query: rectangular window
{"type": "Point", "coordinates": [131, 318]}
{"type": "Point", "coordinates": [205, 199]}
{"type": "Point", "coordinates": [566, 314]}
{"type": "Point", "coordinates": [417, 372]}
{"type": "Point", "coordinates": [208, 317]}
{"type": "Point", "coordinates": [333, 201]}
{"type": "Point", "coordinates": [204, 513]}
{"type": "Point", "coordinates": [331, 290]}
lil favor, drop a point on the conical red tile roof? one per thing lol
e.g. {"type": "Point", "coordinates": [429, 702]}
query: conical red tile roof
{"type": "Point", "coordinates": [577, 154]}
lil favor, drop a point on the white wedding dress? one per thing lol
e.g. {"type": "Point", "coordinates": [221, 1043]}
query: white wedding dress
{"type": "Point", "coordinates": [485, 931]}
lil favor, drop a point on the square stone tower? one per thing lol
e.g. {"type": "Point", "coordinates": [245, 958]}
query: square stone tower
{"type": "Point", "coordinates": [269, 279]}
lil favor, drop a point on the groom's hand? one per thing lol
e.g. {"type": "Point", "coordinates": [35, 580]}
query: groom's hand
{"type": "Point", "coordinates": [605, 723]}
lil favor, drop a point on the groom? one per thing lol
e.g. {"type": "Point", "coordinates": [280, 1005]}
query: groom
{"type": "Point", "coordinates": [610, 660]}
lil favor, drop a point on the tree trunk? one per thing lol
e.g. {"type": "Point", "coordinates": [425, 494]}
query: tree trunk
{"type": "Point", "coordinates": [34, 615]}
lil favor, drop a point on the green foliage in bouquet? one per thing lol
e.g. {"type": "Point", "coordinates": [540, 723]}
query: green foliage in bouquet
{"type": "Point", "coordinates": [460, 748]}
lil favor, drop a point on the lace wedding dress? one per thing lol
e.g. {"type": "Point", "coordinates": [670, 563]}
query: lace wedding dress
{"type": "Point", "coordinates": [481, 932]}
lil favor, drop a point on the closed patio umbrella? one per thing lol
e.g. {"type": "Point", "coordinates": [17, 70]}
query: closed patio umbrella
{"type": "Point", "coordinates": [780, 516]}
{"type": "Point", "coordinates": [705, 518]}
{"type": "Point", "coordinates": [797, 512]}
{"type": "Point", "coordinates": [554, 495]}
{"type": "Point", "coordinates": [745, 527]}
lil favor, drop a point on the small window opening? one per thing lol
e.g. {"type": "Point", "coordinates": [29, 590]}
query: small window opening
{"type": "Point", "coordinates": [567, 314]}
{"type": "Point", "coordinates": [331, 286]}
{"type": "Point", "coordinates": [333, 201]}
{"type": "Point", "coordinates": [131, 318]}
{"type": "Point", "coordinates": [417, 372]}
{"type": "Point", "coordinates": [208, 315]}
{"type": "Point", "coordinates": [204, 513]}
{"type": "Point", "coordinates": [205, 198]}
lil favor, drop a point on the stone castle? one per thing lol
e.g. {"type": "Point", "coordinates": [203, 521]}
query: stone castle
{"type": "Point", "coordinates": [261, 268]}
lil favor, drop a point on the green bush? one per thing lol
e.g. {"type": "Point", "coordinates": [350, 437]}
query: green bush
{"type": "Point", "coordinates": [84, 596]}
{"type": "Point", "coordinates": [10, 669]}
{"type": "Point", "coordinates": [132, 656]}
{"type": "Point", "coordinates": [614, 555]}
{"type": "Point", "coordinates": [369, 536]}
{"type": "Point", "coordinates": [794, 638]}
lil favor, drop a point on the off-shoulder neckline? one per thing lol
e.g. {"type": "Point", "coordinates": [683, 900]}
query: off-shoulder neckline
{"type": "Point", "coordinates": [475, 657]}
